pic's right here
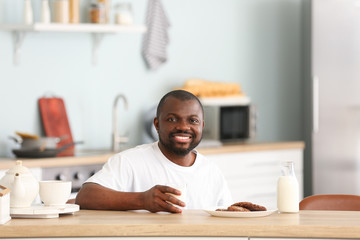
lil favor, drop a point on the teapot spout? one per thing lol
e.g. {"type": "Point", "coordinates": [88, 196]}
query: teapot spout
{"type": "Point", "coordinates": [18, 192]}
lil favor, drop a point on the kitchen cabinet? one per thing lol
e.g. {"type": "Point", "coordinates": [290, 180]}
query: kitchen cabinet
{"type": "Point", "coordinates": [97, 30]}
{"type": "Point", "coordinates": [252, 176]}
{"type": "Point", "coordinates": [251, 169]}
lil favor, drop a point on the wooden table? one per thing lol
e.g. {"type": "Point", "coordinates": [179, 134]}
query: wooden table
{"type": "Point", "coordinates": [191, 223]}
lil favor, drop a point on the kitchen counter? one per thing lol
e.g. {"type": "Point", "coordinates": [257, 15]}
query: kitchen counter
{"type": "Point", "coordinates": [99, 158]}
{"type": "Point", "coordinates": [191, 223]}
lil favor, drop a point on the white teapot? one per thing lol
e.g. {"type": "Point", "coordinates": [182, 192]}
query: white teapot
{"type": "Point", "coordinates": [23, 185]}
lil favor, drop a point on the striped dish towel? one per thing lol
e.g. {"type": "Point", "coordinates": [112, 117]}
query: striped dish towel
{"type": "Point", "coordinates": [156, 37]}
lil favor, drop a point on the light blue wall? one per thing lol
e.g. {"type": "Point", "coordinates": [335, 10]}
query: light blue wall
{"type": "Point", "coordinates": [256, 43]}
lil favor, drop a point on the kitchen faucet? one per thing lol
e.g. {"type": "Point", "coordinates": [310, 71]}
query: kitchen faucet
{"type": "Point", "coordinates": [116, 138]}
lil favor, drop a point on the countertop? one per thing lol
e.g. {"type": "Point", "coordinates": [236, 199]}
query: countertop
{"type": "Point", "coordinates": [102, 157]}
{"type": "Point", "coordinates": [87, 223]}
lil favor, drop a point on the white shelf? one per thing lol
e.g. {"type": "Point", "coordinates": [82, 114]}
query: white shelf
{"type": "Point", "coordinates": [84, 27]}
{"type": "Point", "coordinates": [97, 30]}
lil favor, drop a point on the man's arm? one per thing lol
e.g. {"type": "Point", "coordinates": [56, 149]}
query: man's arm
{"type": "Point", "coordinates": [97, 197]}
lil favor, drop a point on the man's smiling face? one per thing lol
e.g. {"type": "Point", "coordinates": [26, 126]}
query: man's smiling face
{"type": "Point", "coordinates": [179, 125]}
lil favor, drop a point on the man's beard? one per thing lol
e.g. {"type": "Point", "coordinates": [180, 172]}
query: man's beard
{"type": "Point", "coordinates": [179, 151]}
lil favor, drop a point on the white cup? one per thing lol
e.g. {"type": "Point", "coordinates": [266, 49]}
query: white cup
{"type": "Point", "coordinates": [55, 192]}
{"type": "Point", "coordinates": [181, 187]}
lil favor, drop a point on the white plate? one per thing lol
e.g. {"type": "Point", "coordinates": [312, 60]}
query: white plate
{"type": "Point", "coordinates": [215, 213]}
{"type": "Point", "coordinates": [41, 211]}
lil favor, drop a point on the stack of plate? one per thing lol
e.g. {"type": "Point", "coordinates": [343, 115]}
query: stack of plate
{"type": "Point", "coordinates": [42, 211]}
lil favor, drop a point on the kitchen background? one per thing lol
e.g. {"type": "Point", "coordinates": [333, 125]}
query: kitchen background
{"type": "Point", "coordinates": [261, 44]}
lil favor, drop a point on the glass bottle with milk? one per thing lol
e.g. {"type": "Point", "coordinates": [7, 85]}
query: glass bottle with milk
{"type": "Point", "coordinates": [288, 189]}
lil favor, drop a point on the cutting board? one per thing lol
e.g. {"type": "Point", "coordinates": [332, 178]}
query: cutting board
{"type": "Point", "coordinates": [55, 122]}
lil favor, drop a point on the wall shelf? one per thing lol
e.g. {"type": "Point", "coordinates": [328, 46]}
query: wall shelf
{"type": "Point", "coordinates": [97, 30]}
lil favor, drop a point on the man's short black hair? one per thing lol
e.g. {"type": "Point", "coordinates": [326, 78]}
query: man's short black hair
{"type": "Point", "coordinates": [178, 94]}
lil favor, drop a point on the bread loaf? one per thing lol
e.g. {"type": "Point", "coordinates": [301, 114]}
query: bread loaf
{"type": "Point", "coordinates": [204, 88]}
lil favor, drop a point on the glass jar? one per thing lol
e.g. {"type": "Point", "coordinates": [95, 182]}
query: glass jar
{"type": "Point", "coordinates": [106, 4]}
{"type": "Point", "coordinates": [123, 14]}
{"type": "Point", "coordinates": [97, 13]}
{"type": "Point", "coordinates": [288, 189]}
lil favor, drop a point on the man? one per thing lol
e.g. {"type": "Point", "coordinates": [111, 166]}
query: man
{"type": "Point", "coordinates": [136, 178]}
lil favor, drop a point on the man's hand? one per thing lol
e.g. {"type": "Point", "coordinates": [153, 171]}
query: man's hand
{"type": "Point", "coordinates": [156, 199]}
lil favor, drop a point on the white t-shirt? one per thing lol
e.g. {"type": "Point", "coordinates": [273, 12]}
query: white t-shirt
{"type": "Point", "coordinates": [139, 169]}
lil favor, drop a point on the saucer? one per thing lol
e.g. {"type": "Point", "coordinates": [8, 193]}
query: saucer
{"type": "Point", "coordinates": [42, 211]}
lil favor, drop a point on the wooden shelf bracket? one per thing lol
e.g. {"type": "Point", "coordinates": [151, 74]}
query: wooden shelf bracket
{"type": "Point", "coordinates": [97, 39]}
{"type": "Point", "coordinates": [18, 38]}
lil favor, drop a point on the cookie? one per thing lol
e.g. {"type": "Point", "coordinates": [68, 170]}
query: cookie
{"type": "Point", "coordinates": [237, 209]}
{"type": "Point", "coordinates": [250, 206]}
{"type": "Point", "coordinates": [221, 209]}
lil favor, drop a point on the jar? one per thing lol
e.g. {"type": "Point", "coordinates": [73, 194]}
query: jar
{"type": "Point", "coordinates": [28, 12]}
{"type": "Point", "coordinates": [61, 11]}
{"type": "Point", "coordinates": [106, 4]}
{"type": "Point", "coordinates": [123, 14]}
{"type": "Point", "coordinates": [74, 11]}
{"type": "Point", "coordinates": [288, 189]}
{"type": "Point", "coordinates": [97, 13]}
{"type": "Point", "coordinates": [45, 12]}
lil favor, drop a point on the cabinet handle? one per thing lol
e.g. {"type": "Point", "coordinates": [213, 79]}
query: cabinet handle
{"type": "Point", "coordinates": [315, 104]}
{"type": "Point", "coordinates": [268, 194]}
{"type": "Point", "coordinates": [268, 163]}
{"type": "Point", "coordinates": [253, 121]}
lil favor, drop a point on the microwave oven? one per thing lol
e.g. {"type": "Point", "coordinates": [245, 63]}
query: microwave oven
{"type": "Point", "coordinates": [229, 119]}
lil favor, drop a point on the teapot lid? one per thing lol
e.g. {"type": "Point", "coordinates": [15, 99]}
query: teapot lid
{"type": "Point", "coordinates": [18, 168]}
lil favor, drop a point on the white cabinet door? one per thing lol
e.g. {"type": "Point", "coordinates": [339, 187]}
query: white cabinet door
{"type": "Point", "coordinates": [252, 176]}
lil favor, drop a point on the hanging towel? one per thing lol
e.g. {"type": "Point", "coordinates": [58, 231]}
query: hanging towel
{"type": "Point", "coordinates": [156, 37]}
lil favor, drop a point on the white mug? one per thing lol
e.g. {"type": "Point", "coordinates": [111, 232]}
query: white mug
{"type": "Point", "coordinates": [55, 192]}
{"type": "Point", "coordinates": [182, 188]}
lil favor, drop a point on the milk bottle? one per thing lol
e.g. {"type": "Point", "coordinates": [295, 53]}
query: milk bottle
{"type": "Point", "coordinates": [288, 189]}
